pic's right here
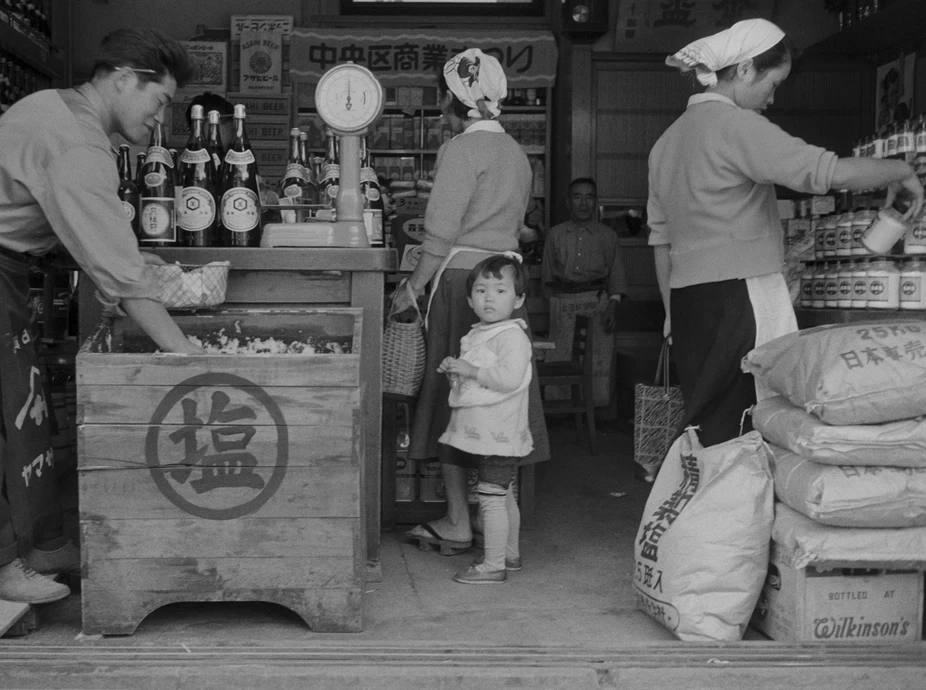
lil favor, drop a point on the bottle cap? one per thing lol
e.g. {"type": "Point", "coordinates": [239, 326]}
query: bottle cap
{"type": "Point", "coordinates": [196, 112]}
{"type": "Point", "coordinates": [239, 110]}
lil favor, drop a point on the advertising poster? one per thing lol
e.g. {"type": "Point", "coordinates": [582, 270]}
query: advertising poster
{"type": "Point", "coordinates": [261, 62]}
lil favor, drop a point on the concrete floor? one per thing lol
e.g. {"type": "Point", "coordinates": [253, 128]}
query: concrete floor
{"type": "Point", "coordinates": [567, 620]}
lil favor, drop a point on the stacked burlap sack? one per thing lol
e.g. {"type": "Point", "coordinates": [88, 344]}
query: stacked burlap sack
{"type": "Point", "coordinates": [848, 443]}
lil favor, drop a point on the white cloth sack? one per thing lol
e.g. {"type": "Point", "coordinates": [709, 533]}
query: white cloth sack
{"type": "Point", "coordinates": [894, 444]}
{"type": "Point", "coordinates": [864, 373]}
{"type": "Point", "coordinates": [850, 495]}
{"type": "Point", "coordinates": [701, 551]}
{"type": "Point", "coordinates": [802, 542]}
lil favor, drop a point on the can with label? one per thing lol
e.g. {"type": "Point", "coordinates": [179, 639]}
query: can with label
{"type": "Point", "coordinates": [844, 234]}
{"type": "Point", "coordinates": [912, 278]}
{"type": "Point", "coordinates": [844, 285]}
{"type": "Point", "coordinates": [860, 222]}
{"type": "Point", "coordinates": [819, 286]}
{"type": "Point", "coordinates": [807, 286]}
{"type": "Point", "coordinates": [883, 285]}
{"type": "Point", "coordinates": [860, 285]}
{"type": "Point", "coordinates": [831, 285]}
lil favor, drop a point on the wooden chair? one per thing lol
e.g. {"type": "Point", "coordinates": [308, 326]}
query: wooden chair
{"type": "Point", "coordinates": [577, 374]}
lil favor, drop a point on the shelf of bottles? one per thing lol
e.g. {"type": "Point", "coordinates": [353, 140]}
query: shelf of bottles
{"type": "Point", "coordinates": [17, 80]}
{"type": "Point", "coordinates": [207, 196]}
{"type": "Point", "coordinates": [25, 34]}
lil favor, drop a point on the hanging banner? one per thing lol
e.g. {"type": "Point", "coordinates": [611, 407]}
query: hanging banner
{"type": "Point", "coordinates": [261, 62]}
{"type": "Point", "coordinates": [669, 25]}
{"type": "Point", "coordinates": [414, 58]}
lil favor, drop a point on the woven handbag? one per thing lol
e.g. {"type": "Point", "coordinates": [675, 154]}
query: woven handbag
{"type": "Point", "coordinates": [403, 357]}
{"type": "Point", "coordinates": [657, 412]}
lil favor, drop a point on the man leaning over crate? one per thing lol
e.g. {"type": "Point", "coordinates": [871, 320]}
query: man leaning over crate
{"type": "Point", "coordinates": [58, 183]}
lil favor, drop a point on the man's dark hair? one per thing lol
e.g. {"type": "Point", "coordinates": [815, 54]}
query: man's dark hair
{"type": "Point", "coordinates": [492, 267]}
{"type": "Point", "coordinates": [143, 49]}
{"type": "Point", "coordinates": [209, 101]}
{"type": "Point", "coordinates": [583, 180]}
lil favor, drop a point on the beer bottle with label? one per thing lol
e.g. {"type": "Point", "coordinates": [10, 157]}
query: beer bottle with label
{"type": "Point", "coordinates": [157, 220]}
{"type": "Point", "coordinates": [196, 177]}
{"type": "Point", "coordinates": [331, 172]}
{"type": "Point", "coordinates": [128, 192]}
{"type": "Point", "coordinates": [294, 186]}
{"type": "Point", "coordinates": [139, 166]}
{"type": "Point", "coordinates": [239, 208]}
{"type": "Point", "coordinates": [307, 164]}
{"type": "Point", "coordinates": [214, 143]}
{"type": "Point", "coordinates": [372, 196]}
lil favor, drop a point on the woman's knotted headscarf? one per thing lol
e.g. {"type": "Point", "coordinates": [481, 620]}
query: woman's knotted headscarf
{"type": "Point", "coordinates": [479, 81]}
{"type": "Point", "coordinates": [743, 40]}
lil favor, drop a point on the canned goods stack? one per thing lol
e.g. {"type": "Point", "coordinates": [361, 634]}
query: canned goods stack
{"type": "Point", "coordinates": [884, 282]}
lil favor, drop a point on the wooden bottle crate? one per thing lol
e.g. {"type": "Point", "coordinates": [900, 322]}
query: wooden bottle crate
{"type": "Point", "coordinates": [224, 477]}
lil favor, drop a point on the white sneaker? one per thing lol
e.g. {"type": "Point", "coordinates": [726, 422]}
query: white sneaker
{"type": "Point", "coordinates": [19, 582]}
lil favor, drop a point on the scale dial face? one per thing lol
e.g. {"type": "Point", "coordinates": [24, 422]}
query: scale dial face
{"type": "Point", "coordinates": [349, 98]}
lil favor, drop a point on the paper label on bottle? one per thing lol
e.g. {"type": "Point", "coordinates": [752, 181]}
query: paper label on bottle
{"type": "Point", "coordinates": [296, 170]}
{"type": "Point", "coordinates": [373, 221]}
{"type": "Point", "coordinates": [155, 179]}
{"type": "Point", "coordinates": [156, 222]}
{"type": "Point", "coordinates": [906, 143]}
{"type": "Point", "coordinates": [197, 209]}
{"type": "Point", "coordinates": [292, 191]}
{"type": "Point", "coordinates": [372, 193]}
{"type": "Point", "coordinates": [333, 190]}
{"type": "Point", "coordinates": [158, 154]}
{"type": "Point", "coordinates": [332, 171]}
{"type": "Point", "coordinates": [368, 175]}
{"type": "Point", "coordinates": [129, 210]}
{"type": "Point", "coordinates": [920, 144]}
{"type": "Point", "coordinates": [240, 209]}
{"type": "Point", "coordinates": [239, 157]}
{"type": "Point", "coordinates": [194, 157]}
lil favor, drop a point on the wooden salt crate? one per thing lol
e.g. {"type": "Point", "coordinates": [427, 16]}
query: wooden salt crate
{"type": "Point", "coordinates": [225, 477]}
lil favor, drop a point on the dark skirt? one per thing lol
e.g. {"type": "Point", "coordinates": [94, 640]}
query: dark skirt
{"type": "Point", "coordinates": [713, 327]}
{"type": "Point", "coordinates": [449, 319]}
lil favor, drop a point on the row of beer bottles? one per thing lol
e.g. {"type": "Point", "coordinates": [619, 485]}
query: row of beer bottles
{"type": "Point", "coordinates": [206, 196]}
{"type": "Point", "coordinates": [209, 197]}
{"type": "Point", "coordinates": [313, 180]}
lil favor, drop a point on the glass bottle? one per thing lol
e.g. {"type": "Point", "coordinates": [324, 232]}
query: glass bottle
{"type": "Point", "coordinates": [331, 172]}
{"type": "Point", "coordinates": [294, 185]}
{"type": "Point", "coordinates": [239, 208]}
{"type": "Point", "coordinates": [906, 141]}
{"type": "Point", "coordinates": [307, 165]}
{"type": "Point", "coordinates": [128, 191]}
{"type": "Point", "coordinates": [214, 143]}
{"type": "Point", "coordinates": [139, 166]}
{"type": "Point", "coordinates": [157, 217]}
{"type": "Point", "coordinates": [373, 206]}
{"type": "Point", "coordinates": [196, 216]}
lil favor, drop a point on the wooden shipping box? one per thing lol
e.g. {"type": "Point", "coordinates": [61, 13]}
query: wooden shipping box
{"type": "Point", "coordinates": [861, 607]}
{"type": "Point", "coordinates": [224, 477]}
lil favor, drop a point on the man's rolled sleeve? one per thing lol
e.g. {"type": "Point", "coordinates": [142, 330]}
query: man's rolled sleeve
{"type": "Point", "coordinates": [79, 199]}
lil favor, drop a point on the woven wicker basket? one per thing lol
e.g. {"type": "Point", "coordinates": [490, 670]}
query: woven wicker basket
{"type": "Point", "coordinates": [192, 287]}
{"type": "Point", "coordinates": [404, 355]}
{"type": "Point", "coordinates": [657, 412]}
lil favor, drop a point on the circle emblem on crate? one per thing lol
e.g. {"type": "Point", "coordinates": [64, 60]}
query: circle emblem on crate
{"type": "Point", "coordinates": [217, 446]}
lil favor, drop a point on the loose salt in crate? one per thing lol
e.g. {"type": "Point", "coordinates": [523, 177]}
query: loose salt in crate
{"type": "Point", "coordinates": [224, 477]}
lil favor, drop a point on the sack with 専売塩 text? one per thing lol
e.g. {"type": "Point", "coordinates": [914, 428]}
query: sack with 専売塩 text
{"type": "Point", "coordinates": [701, 551]}
{"type": "Point", "coordinates": [861, 373]}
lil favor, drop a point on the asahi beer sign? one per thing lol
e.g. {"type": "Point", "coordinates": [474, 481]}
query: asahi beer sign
{"type": "Point", "coordinates": [261, 62]}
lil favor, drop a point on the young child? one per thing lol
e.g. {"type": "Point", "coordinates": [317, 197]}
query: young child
{"type": "Point", "coordinates": [488, 400]}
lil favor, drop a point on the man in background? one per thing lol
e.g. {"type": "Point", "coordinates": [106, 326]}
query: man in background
{"type": "Point", "coordinates": [583, 273]}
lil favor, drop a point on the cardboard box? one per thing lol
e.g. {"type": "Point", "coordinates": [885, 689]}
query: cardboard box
{"type": "Point", "coordinates": [865, 607]}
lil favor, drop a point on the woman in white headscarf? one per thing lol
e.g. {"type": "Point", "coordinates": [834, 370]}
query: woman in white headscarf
{"type": "Point", "coordinates": [714, 219]}
{"type": "Point", "coordinates": [482, 184]}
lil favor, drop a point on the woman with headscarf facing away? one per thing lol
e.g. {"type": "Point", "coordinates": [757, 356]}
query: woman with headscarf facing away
{"type": "Point", "coordinates": [714, 220]}
{"type": "Point", "coordinates": [482, 184]}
